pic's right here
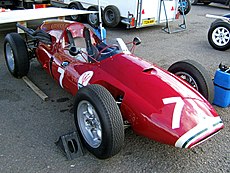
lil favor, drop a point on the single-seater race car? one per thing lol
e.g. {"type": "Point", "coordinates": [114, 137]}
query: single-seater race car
{"type": "Point", "coordinates": [114, 88]}
{"type": "Point", "coordinates": [219, 32]}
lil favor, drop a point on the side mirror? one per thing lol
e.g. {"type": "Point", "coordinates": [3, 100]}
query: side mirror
{"type": "Point", "coordinates": [73, 51]}
{"type": "Point", "coordinates": [136, 41]}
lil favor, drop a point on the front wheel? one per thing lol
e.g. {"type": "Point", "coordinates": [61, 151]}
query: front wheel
{"type": "Point", "coordinates": [219, 35]}
{"type": "Point", "coordinates": [16, 55]}
{"type": "Point", "coordinates": [99, 121]}
{"type": "Point", "coordinates": [196, 75]}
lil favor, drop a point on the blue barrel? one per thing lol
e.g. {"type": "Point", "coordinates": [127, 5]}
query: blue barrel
{"type": "Point", "coordinates": [222, 88]}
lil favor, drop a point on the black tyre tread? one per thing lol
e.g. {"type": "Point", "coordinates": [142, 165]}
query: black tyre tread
{"type": "Point", "coordinates": [117, 18]}
{"type": "Point", "coordinates": [20, 52]}
{"type": "Point", "coordinates": [216, 21]}
{"type": "Point", "coordinates": [106, 100]}
{"type": "Point", "coordinates": [198, 72]}
{"type": "Point", "coordinates": [214, 25]}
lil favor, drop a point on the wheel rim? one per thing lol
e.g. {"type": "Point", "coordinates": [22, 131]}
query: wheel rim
{"type": "Point", "coordinates": [221, 36]}
{"type": "Point", "coordinates": [89, 124]}
{"type": "Point", "coordinates": [10, 57]}
{"type": "Point", "coordinates": [109, 16]}
{"type": "Point", "coordinates": [183, 5]}
{"type": "Point", "coordinates": [188, 78]}
{"type": "Point", "coordinates": [74, 17]}
{"type": "Point", "coordinates": [93, 19]}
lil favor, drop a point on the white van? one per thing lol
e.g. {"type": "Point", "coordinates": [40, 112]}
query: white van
{"type": "Point", "coordinates": [133, 13]}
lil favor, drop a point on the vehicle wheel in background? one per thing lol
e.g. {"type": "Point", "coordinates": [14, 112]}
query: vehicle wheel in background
{"type": "Point", "coordinates": [16, 55]}
{"type": "Point", "coordinates": [93, 18]}
{"type": "Point", "coordinates": [207, 2]}
{"type": "Point", "coordinates": [76, 6]}
{"type": "Point", "coordinates": [196, 75]}
{"type": "Point", "coordinates": [99, 121]}
{"type": "Point", "coordinates": [111, 16]}
{"type": "Point", "coordinates": [219, 35]}
{"type": "Point", "coordinates": [28, 5]}
{"type": "Point", "coordinates": [194, 2]}
{"type": "Point", "coordinates": [184, 5]}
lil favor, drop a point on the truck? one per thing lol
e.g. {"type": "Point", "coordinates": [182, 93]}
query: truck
{"type": "Point", "coordinates": [133, 13]}
{"type": "Point", "coordinates": [17, 4]}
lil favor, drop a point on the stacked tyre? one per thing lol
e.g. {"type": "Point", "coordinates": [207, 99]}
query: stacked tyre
{"type": "Point", "coordinates": [110, 15]}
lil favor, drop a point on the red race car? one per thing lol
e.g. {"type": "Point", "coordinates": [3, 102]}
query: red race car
{"type": "Point", "coordinates": [114, 88]}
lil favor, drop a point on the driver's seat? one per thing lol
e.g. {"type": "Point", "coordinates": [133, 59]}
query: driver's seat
{"type": "Point", "coordinates": [91, 49]}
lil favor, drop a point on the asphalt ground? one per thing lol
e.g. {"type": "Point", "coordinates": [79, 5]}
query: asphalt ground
{"type": "Point", "coordinates": [29, 126]}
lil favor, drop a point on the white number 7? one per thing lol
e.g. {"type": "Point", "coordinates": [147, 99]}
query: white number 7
{"type": "Point", "coordinates": [61, 71]}
{"type": "Point", "coordinates": [179, 104]}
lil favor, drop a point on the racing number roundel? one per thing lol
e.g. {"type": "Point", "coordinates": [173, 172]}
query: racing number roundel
{"type": "Point", "coordinates": [84, 79]}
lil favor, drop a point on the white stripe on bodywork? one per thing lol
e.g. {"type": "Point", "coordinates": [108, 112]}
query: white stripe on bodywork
{"type": "Point", "coordinates": [84, 79]}
{"type": "Point", "coordinates": [209, 123]}
{"type": "Point", "coordinates": [61, 71]}
{"type": "Point", "coordinates": [123, 46]}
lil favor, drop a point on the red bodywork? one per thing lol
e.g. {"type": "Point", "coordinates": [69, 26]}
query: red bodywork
{"type": "Point", "coordinates": [156, 103]}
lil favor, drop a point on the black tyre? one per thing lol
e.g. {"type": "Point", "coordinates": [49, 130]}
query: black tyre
{"type": "Point", "coordinates": [193, 2]}
{"type": "Point", "coordinates": [111, 16]}
{"type": "Point", "coordinates": [28, 5]}
{"type": "Point", "coordinates": [99, 121]}
{"type": "Point", "coordinates": [76, 6]}
{"type": "Point", "coordinates": [219, 35]}
{"type": "Point", "coordinates": [207, 2]}
{"type": "Point", "coordinates": [93, 18]}
{"type": "Point", "coordinates": [196, 75]}
{"type": "Point", "coordinates": [16, 55]}
{"type": "Point", "coordinates": [185, 6]}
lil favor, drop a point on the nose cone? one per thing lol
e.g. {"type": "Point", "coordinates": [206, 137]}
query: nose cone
{"type": "Point", "coordinates": [200, 133]}
{"type": "Point", "coordinates": [206, 124]}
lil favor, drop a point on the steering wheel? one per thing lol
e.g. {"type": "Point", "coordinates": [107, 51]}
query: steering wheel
{"type": "Point", "coordinates": [106, 47]}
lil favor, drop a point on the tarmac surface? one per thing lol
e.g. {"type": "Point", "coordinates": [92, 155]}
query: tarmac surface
{"type": "Point", "coordinates": [30, 126]}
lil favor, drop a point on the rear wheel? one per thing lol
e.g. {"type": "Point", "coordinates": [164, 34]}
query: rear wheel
{"type": "Point", "coordinates": [16, 55]}
{"type": "Point", "coordinates": [196, 75]}
{"type": "Point", "coordinates": [111, 16]}
{"type": "Point", "coordinates": [219, 35]}
{"type": "Point", "coordinates": [99, 121]}
{"type": "Point", "coordinates": [76, 6]}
